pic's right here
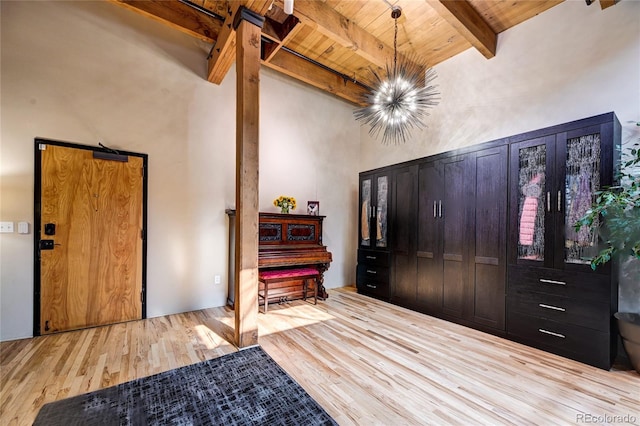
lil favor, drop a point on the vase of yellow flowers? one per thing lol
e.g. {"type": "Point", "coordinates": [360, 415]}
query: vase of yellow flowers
{"type": "Point", "coordinates": [285, 203]}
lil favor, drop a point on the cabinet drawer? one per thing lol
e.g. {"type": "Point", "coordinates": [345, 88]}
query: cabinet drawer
{"type": "Point", "coordinates": [380, 290]}
{"type": "Point", "coordinates": [579, 343]}
{"type": "Point", "coordinates": [373, 280]}
{"type": "Point", "coordinates": [374, 257]}
{"type": "Point", "coordinates": [589, 314]}
{"type": "Point", "coordinates": [372, 273]}
{"type": "Point", "coordinates": [578, 285]}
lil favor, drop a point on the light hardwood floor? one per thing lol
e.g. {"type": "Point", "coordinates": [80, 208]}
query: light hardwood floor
{"type": "Point", "coordinates": [366, 362]}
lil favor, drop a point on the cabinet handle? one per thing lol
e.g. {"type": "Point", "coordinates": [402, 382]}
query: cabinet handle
{"type": "Point", "coordinates": [542, 280]}
{"type": "Point", "coordinates": [372, 286]}
{"type": "Point", "coordinates": [434, 207]}
{"type": "Point", "coordinates": [371, 257]}
{"type": "Point", "coordinates": [440, 208]}
{"type": "Point", "coordinates": [555, 308]}
{"type": "Point", "coordinates": [548, 201]}
{"type": "Point", "coordinates": [369, 271]}
{"type": "Point", "coordinates": [559, 201]}
{"type": "Point", "coordinates": [542, 330]}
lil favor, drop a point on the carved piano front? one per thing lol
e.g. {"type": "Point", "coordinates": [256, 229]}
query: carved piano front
{"type": "Point", "coordinates": [285, 241]}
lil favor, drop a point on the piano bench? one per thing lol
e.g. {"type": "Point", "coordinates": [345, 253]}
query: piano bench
{"type": "Point", "coordinates": [272, 276]}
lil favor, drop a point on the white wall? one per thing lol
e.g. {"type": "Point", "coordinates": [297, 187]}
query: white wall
{"type": "Point", "coordinates": [92, 71]}
{"type": "Point", "coordinates": [572, 61]}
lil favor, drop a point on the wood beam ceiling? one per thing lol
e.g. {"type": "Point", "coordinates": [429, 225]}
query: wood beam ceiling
{"type": "Point", "coordinates": [607, 3]}
{"type": "Point", "coordinates": [223, 54]}
{"type": "Point", "coordinates": [466, 21]}
{"type": "Point", "coordinates": [177, 15]}
{"type": "Point", "coordinates": [289, 64]}
{"type": "Point", "coordinates": [318, 25]}
{"type": "Point", "coordinates": [327, 21]}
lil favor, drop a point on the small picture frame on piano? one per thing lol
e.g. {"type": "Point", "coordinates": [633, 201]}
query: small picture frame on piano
{"type": "Point", "coordinates": [313, 208]}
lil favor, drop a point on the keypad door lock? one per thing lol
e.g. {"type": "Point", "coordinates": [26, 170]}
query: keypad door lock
{"type": "Point", "coordinates": [49, 229]}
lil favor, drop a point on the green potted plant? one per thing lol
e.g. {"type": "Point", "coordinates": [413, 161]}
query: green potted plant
{"type": "Point", "coordinates": [619, 206]}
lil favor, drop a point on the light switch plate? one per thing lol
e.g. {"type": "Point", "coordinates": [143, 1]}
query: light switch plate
{"type": "Point", "coordinates": [23, 227]}
{"type": "Point", "coordinates": [6, 227]}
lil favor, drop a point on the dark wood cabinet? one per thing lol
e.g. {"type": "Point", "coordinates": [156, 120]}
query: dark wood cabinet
{"type": "Point", "coordinates": [461, 237]}
{"type": "Point", "coordinates": [441, 248]}
{"type": "Point", "coordinates": [429, 238]}
{"type": "Point", "coordinates": [483, 236]}
{"type": "Point", "coordinates": [372, 274]}
{"type": "Point", "coordinates": [403, 235]}
{"type": "Point", "coordinates": [373, 271]}
{"type": "Point", "coordinates": [452, 213]}
{"type": "Point", "coordinates": [487, 237]}
{"type": "Point", "coordinates": [553, 182]}
{"type": "Point", "coordinates": [555, 300]}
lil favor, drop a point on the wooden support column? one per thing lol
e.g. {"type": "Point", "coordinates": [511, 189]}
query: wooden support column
{"type": "Point", "coordinates": [248, 26]}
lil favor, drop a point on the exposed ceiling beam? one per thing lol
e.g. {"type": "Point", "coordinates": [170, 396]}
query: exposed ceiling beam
{"type": "Point", "coordinates": [324, 19]}
{"type": "Point", "coordinates": [607, 3]}
{"type": "Point", "coordinates": [224, 51]}
{"type": "Point", "coordinates": [469, 23]}
{"type": "Point", "coordinates": [177, 15]}
{"type": "Point", "coordinates": [293, 66]}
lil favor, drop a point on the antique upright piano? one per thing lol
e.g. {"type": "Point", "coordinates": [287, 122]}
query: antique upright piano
{"type": "Point", "coordinates": [285, 241]}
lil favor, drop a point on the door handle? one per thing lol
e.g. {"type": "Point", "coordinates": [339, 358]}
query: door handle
{"type": "Point", "coordinates": [548, 201]}
{"type": "Point", "coordinates": [440, 208]}
{"type": "Point", "coordinates": [434, 208]}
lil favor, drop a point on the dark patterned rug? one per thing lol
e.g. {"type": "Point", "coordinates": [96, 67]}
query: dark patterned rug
{"type": "Point", "coordinates": [242, 388]}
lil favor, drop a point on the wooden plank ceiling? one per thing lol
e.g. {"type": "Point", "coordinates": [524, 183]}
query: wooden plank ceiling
{"type": "Point", "coordinates": [334, 44]}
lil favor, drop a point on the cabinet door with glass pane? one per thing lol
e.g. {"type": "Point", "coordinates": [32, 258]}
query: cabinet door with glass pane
{"type": "Point", "coordinates": [554, 180]}
{"type": "Point", "coordinates": [532, 181]}
{"type": "Point", "coordinates": [374, 205]}
{"type": "Point", "coordinates": [584, 165]}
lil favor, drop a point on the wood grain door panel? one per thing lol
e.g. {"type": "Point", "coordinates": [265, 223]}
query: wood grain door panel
{"type": "Point", "coordinates": [404, 235]}
{"type": "Point", "coordinates": [93, 275]}
{"type": "Point", "coordinates": [429, 238]}
{"type": "Point", "coordinates": [488, 237]}
{"type": "Point", "coordinates": [454, 244]}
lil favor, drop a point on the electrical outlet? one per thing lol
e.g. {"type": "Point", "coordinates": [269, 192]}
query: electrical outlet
{"type": "Point", "coordinates": [217, 279]}
{"type": "Point", "coordinates": [6, 227]}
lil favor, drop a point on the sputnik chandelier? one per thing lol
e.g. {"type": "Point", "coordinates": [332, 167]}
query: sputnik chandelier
{"type": "Point", "coordinates": [400, 100]}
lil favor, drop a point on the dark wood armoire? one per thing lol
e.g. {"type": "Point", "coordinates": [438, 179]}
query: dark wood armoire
{"type": "Point", "coordinates": [483, 236]}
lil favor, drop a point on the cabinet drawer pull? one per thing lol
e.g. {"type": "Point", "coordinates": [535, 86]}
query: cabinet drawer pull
{"type": "Point", "coordinates": [434, 208]}
{"type": "Point", "coordinates": [371, 257]}
{"type": "Point", "coordinates": [372, 286]}
{"type": "Point", "coordinates": [548, 201]}
{"type": "Point", "coordinates": [559, 201]}
{"type": "Point", "coordinates": [369, 271]}
{"type": "Point", "coordinates": [555, 308]}
{"type": "Point", "coordinates": [542, 330]}
{"type": "Point", "coordinates": [542, 280]}
{"type": "Point", "coordinates": [440, 208]}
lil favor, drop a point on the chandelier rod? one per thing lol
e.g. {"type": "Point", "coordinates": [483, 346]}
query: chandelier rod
{"type": "Point", "coordinates": [396, 12]}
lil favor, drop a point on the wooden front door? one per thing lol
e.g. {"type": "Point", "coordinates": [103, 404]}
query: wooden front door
{"type": "Point", "coordinates": [89, 236]}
